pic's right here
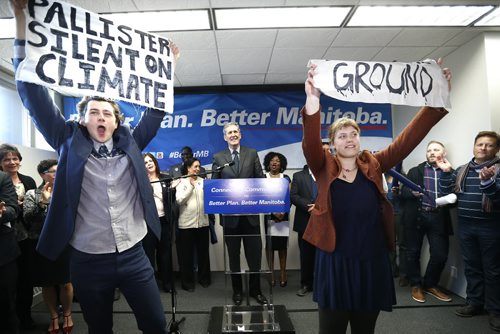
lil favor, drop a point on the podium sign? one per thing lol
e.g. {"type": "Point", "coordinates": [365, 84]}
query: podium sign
{"type": "Point", "coordinates": [246, 196]}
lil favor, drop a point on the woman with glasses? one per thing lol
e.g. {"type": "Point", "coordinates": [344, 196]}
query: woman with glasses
{"type": "Point", "coordinates": [52, 276]}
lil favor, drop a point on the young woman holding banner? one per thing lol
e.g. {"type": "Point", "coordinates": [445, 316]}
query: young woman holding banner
{"type": "Point", "coordinates": [351, 223]}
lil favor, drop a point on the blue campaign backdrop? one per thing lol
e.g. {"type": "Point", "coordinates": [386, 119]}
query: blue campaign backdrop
{"type": "Point", "coordinates": [268, 121]}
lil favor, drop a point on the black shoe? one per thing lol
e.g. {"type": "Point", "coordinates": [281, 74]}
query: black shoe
{"type": "Point", "coordinates": [303, 291]}
{"type": "Point", "coordinates": [167, 288]}
{"type": "Point", "coordinates": [27, 323]}
{"type": "Point", "coordinates": [259, 298]}
{"type": "Point", "coordinates": [468, 310]}
{"type": "Point", "coordinates": [495, 322]}
{"type": "Point", "coordinates": [188, 288]}
{"type": "Point", "coordinates": [205, 284]}
{"type": "Point", "coordinates": [117, 295]}
{"type": "Point", "coordinates": [403, 281]}
{"type": "Point", "coordinates": [237, 298]}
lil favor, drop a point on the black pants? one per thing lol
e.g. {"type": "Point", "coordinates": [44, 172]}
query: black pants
{"type": "Point", "coordinates": [8, 317]}
{"type": "Point", "coordinates": [189, 240]}
{"type": "Point", "coordinates": [24, 297]}
{"type": "Point", "coordinates": [335, 322]}
{"type": "Point", "coordinates": [252, 243]}
{"type": "Point", "coordinates": [307, 258]}
{"type": "Point", "coordinates": [160, 251]}
{"type": "Point", "coordinates": [430, 225]}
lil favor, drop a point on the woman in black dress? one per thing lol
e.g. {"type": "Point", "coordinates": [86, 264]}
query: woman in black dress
{"type": "Point", "coordinates": [275, 164]}
{"type": "Point", "coordinates": [351, 224]}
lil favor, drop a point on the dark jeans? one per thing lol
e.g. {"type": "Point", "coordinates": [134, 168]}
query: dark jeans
{"type": "Point", "coordinates": [335, 322]}
{"type": "Point", "coordinates": [95, 277]}
{"type": "Point", "coordinates": [480, 245]}
{"type": "Point", "coordinates": [307, 259]}
{"type": "Point", "coordinates": [428, 224]}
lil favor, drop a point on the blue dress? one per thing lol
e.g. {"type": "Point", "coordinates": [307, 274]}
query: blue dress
{"type": "Point", "coordinates": [356, 276]}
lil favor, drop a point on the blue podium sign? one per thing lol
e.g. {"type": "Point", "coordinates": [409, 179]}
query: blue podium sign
{"type": "Point", "coordinates": [246, 196]}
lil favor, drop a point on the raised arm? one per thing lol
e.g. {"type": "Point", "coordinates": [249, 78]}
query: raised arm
{"type": "Point", "coordinates": [312, 93]}
{"type": "Point", "coordinates": [17, 9]}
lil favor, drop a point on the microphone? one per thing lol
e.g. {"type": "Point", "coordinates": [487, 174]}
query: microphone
{"type": "Point", "coordinates": [227, 164]}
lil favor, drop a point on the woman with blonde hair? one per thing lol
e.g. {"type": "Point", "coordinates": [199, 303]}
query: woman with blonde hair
{"type": "Point", "coordinates": [351, 223]}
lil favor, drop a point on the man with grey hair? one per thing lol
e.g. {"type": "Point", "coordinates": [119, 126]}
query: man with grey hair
{"type": "Point", "coordinates": [241, 228]}
{"type": "Point", "coordinates": [477, 186]}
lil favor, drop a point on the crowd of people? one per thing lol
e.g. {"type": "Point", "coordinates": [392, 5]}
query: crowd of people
{"type": "Point", "coordinates": [105, 218]}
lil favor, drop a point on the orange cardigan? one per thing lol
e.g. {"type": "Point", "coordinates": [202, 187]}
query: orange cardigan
{"type": "Point", "coordinates": [320, 230]}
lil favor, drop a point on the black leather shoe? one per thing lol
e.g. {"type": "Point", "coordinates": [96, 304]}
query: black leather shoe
{"type": "Point", "coordinates": [260, 298]}
{"type": "Point", "coordinates": [468, 310]}
{"type": "Point", "coordinates": [495, 322]}
{"type": "Point", "coordinates": [237, 298]}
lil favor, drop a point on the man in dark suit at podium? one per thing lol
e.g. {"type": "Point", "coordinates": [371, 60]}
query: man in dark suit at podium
{"type": "Point", "coordinates": [241, 228]}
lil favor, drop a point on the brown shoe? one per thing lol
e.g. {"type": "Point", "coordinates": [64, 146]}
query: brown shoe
{"type": "Point", "coordinates": [417, 294]}
{"type": "Point", "coordinates": [438, 294]}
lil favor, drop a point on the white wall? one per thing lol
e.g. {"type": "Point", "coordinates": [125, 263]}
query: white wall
{"type": "Point", "coordinates": [31, 158]}
{"type": "Point", "coordinates": [475, 100]}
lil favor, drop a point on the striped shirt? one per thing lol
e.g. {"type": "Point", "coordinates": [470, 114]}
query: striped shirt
{"type": "Point", "coordinates": [471, 199]}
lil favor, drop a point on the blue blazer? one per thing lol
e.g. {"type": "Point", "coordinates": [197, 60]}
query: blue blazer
{"type": "Point", "coordinates": [74, 145]}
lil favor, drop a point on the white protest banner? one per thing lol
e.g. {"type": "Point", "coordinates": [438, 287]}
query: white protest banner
{"type": "Point", "coordinates": [415, 84]}
{"type": "Point", "coordinates": [77, 53]}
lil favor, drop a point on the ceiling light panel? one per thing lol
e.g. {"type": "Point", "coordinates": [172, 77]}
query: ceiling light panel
{"type": "Point", "coordinates": [410, 16]}
{"type": "Point", "coordinates": [165, 20]}
{"type": "Point", "coordinates": [284, 17]}
{"type": "Point", "coordinates": [492, 19]}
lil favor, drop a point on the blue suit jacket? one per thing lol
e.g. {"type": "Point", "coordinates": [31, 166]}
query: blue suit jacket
{"type": "Point", "coordinates": [74, 146]}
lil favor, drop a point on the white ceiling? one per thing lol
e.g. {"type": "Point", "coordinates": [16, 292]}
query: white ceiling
{"type": "Point", "coordinates": [279, 56]}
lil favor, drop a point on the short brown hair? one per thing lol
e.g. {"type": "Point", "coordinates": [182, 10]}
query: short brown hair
{"type": "Point", "coordinates": [436, 142]}
{"type": "Point", "coordinates": [491, 134]}
{"type": "Point", "coordinates": [45, 165]}
{"type": "Point", "coordinates": [6, 149]}
{"type": "Point", "coordinates": [340, 124]}
{"type": "Point", "coordinates": [82, 107]}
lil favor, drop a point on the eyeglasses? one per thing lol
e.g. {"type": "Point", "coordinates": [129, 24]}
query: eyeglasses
{"type": "Point", "coordinates": [49, 172]}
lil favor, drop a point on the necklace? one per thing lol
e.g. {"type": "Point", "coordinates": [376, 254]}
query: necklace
{"type": "Point", "coordinates": [348, 171]}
